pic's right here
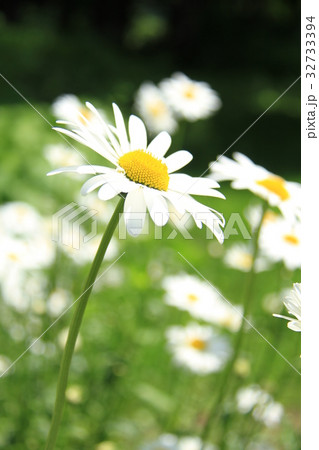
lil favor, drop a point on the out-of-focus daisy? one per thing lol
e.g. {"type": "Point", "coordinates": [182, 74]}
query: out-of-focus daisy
{"type": "Point", "coordinates": [172, 442]}
{"type": "Point", "coordinates": [61, 155]}
{"type": "Point", "coordinates": [74, 394]}
{"type": "Point", "coordinates": [69, 108]}
{"type": "Point", "coordinates": [191, 100]}
{"type": "Point", "coordinates": [293, 305]}
{"type": "Point", "coordinates": [143, 173]}
{"type": "Point", "coordinates": [254, 212]}
{"type": "Point", "coordinates": [198, 348]}
{"type": "Point", "coordinates": [239, 256]}
{"type": "Point", "coordinates": [261, 404]}
{"type": "Point", "coordinates": [270, 413]}
{"type": "Point", "coordinates": [244, 174]}
{"type": "Point", "coordinates": [58, 301]}
{"type": "Point", "coordinates": [20, 218]}
{"type": "Point", "coordinates": [280, 240]}
{"type": "Point", "coordinates": [154, 110]}
{"type": "Point", "coordinates": [20, 288]}
{"type": "Point", "coordinates": [201, 300]}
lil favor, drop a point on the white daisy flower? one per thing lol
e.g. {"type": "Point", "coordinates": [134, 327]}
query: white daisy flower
{"type": "Point", "coordinates": [261, 404]}
{"type": "Point", "coordinates": [239, 256]}
{"type": "Point", "coordinates": [280, 240]}
{"type": "Point", "coordinates": [244, 174]}
{"type": "Point", "coordinates": [69, 108]}
{"type": "Point", "coordinates": [20, 218]}
{"type": "Point", "coordinates": [61, 155]}
{"type": "Point", "coordinates": [270, 414]}
{"type": "Point", "coordinates": [198, 348]}
{"type": "Point", "coordinates": [154, 110]}
{"type": "Point", "coordinates": [191, 100]}
{"type": "Point", "coordinates": [201, 300]}
{"type": "Point", "coordinates": [58, 301]}
{"type": "Point", "coordinates": [143, 173]}
{"type": "Point", "coordinates": [293, 305]}
{"type": "Point", "coordinates": [248, 397]}
{"type": "Point", "coordinates": [22, 290]}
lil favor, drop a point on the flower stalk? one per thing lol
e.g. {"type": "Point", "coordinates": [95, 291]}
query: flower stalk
{"type": "Point", "coordinates": [76, 324]}
{"type": "Point", "coordinates": [214, 411]}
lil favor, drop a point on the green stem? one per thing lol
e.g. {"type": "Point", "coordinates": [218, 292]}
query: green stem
{"type": "Point", "coordinates": [239, 338]}
{"type": "Point", "coordinates": [75, 327]}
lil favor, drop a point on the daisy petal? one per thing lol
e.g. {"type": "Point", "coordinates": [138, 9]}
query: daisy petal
{"type": "Point", "coordinates": [120, 126]}
{"type": "Point", "coordinates": [138, 135]}
{"type": "Point", "coordinates": [157, 207]}
{"type": "Point", "coordinates": [160, 144]}
{"type": "Point", "coordinates": [178, 160]}
{"type": "Point", "coordinates": [92, 184]}
{"type": "Point", "coordinates": [135, 212]}
{"type": "Point", "coordinates": [88, 169]}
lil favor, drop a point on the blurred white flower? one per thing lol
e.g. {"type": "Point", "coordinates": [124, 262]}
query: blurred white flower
{"type": "Point", "coordinates": [58, 301]}
{"type": "Point", "coordinates": [144, 173]}
{"type": "Point", "coordinates": [154, 110]}
{"type": "Point", "coordinates": [172, 442]}
{"type": "Point", "coordinates": [280, 240]}
{"type": "Point", "coordinates": [244, 174]}
{"type": "Point", "coordinates": [270, 414]}
{"type": "Point", "coordinates": [293, 305]}
{"type": "Point", "coordinates": [239, 256]}
{"type": "Point", "coordinates": [61, 155]}
{"type": "Point", "coordinates": [70, 109]}
{"type": "Point", "coordinates": [74, 394]}
{"type": "Point", "coordinates": [201, 300]}
{"type": "Point", "coordinates": [19, 218]}
{"type": "Point", "coordinates": [247, 398]}
{"type": "Point", "coordinates": [261, 404]}
{"type": "Point", "coordinates": [198, 348]}
{"type": "Point", "coordinates": [22, 289]}
{"type": "Point", "coordinates": [191, 100]}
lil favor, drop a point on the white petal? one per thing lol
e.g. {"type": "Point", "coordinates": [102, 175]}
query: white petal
{"type": "Point", "coordinates": [135, 212]}
{"type": "Point", "coordinates": [93, 183]}
{"type": "Point", "coordinates": [198, 186]}
{"type": "Point", "coordinates": [138, 135]}
{"type": "Point", "coordinates": [157, 206]}
{"type": "Point", "coordinates": [120, 126]}
{"type": "Point", "coordinates": [160, 144]}
{"type": "Point", "coordinates": [178, 160]}
{"type": "Point", "coordinates": [109, 191]}
{"type": "Point", "coordinates": [88, 169]}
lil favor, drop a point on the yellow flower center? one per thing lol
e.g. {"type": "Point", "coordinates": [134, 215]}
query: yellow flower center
{"type": "Point", "coordinates": [291, 239]}
{"type": "Point", "coordinates": [13, 257]}
{"type": "Point", "coordinates": [246, 260]}
{"type": "Point", "coordinates": [270, 216]}
{"type": "Point", "coordinates": [157, 108]}
{"type": "Point", "coordinates": [197, 343]}
{"type": "Point", "coordinates": [275, 185]}
{"type": "Point", "coordinates": [142, 167]}
{"type": "Point", "coordinates": [190, 92]}
{"type": "Point", "coordinates": [192, 297]}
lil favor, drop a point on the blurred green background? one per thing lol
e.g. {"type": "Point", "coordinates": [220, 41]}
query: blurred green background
{"type": "Point", "coordinates": [248, 51]}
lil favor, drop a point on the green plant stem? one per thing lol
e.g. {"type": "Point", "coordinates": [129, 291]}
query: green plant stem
{"type": "Point", "coordinates": [75, 326]}
{"type": "Point", "coordinates": [213, 413]}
